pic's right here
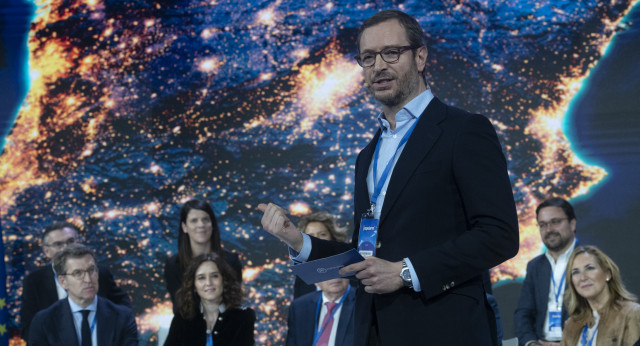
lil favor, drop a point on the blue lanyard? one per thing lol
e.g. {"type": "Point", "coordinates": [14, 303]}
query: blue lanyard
{"type": "Point", "coordinates": [559, 288]}
{"type": "Point", "coordinates": [93, 324]}
{"type": "Point", "coordinates": [318, 332]}
{"type": "Point", "coordinates": [383, 178]}
{"type": "Point", "coordinates": [584, 336]}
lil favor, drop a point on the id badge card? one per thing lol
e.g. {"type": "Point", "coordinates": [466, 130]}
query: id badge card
{"type": "Point", "coordinates": [368, 236]}
{"type": "Point", "coordinates": [555, 322]}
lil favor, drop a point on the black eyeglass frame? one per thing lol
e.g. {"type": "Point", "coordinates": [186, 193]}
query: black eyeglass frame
{"type": "Point", "coordinates": [401, 50]}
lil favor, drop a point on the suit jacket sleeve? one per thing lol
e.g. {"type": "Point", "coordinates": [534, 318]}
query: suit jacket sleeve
{"type": "Point", "coordinates": [484, 191]}
{"type": "Point", "coordinates": [524, 318]}
{"type": "Point", "coordinates": [176, 332]}
{"type": "Point", "coordinates": [37, 335]}
{"type": "Point", "coordinates": [172, 278]}
{"type": "Point", "coordinates": [29, 305]}
{"type": "Point", "coordinates": [245, 331]}
{"type": "Point", "coordinates": [130, 330]}
{"type": "Point", "coordinates": [110, 290]}
{"type": "Point", "coordinates": [291, 325]}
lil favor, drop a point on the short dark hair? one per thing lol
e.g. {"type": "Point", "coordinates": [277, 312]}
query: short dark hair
{"type": "Point", "coordinates": [415, 34]}
{"type": "Point", "coordinates": [188, 299]}
{"type": "Point", "coordinates": [560, 203]}
{"type": "Point", "coordinates": [58, 225]}
{"type": "Point", "coordinates": [70, 251]}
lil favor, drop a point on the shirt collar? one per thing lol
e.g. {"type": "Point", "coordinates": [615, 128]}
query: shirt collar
{"type": "Point", "coordinates": [411, 110]}
{"type": "Point", "coordinates": [75, 307]}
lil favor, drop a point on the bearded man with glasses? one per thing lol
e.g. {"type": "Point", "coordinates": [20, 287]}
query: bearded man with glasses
{"type": "Point", "coordinates": [41, 287]}
{"type": "Point", "coordinates": [540, 315]}
{"type": "Point", "coordinates": [84, 316]}
{"type": "Point", "coordinates": [434, 180]}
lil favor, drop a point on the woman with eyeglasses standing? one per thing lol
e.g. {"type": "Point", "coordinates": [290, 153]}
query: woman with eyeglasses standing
{"type": "Point", "coordinates": [602, 311]}
{"type": "Point", "coordinates": [198, 234]}
{"type": "Point", "coordinates": [209, 311]}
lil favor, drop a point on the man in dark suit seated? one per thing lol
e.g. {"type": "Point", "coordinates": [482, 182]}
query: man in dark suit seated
{"type": "Point", "coordinates": [323, 318]}
{"type": "Point", "coordinates": [41, 288]}
{"type": "Point", "coordinates": [84, 316]}
{"type": "Point", "coordinates": [540, 315]}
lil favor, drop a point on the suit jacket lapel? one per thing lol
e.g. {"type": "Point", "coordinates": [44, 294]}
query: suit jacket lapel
{"type": "Point", "coordinates": [361, 190]}
{"type": "Point", "coordinates": [346, 316]}
{"type": "Point", "coordinates": [67, 326]}
{"type": "Point", "coordinates": [420, 142]}
{"type": "Point", "coordinates": [105, 324]}
{"type": "Point", "coordinates": [544, 279]}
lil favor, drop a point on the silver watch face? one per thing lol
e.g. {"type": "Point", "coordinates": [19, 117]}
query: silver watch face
{"type": "Point", "coordinates": [405, 275]}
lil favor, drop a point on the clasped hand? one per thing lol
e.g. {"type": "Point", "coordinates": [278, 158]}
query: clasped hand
{"type": "Point", "coordinates": [377, 275]}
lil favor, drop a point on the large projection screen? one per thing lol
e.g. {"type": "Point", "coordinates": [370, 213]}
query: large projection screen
{"type": "Point", "coordinates": [117, 112]}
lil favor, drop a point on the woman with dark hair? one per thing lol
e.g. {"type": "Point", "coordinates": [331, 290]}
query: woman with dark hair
{"type": "Point", "coordinates": [209, 311]}
{"type": "Point", "coordinates": [601, 310]}
{"type": "Point", "coordinates": [198, 234]}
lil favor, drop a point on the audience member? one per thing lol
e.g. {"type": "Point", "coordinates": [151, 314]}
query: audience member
{"type": "Point", "coordinates": [323, 318]}
{"type": "Point", "coordinates": [321, 225]}
{"type": "Point", "coordinates": [84, 316]}
{"type": "Point", "coordinates": [41, 288]}
{"type": "Point", "coordinates": [602, 311]}
{"type": "Point", "coordinates": [198, 234]}
{"type": "Point", "coordinates": [209, 310]}
{"type": "Point", "coordinates": [540, 314]}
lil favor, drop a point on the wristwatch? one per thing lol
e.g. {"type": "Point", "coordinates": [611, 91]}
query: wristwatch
{"type": "Point", "coordinates": [405, 275]}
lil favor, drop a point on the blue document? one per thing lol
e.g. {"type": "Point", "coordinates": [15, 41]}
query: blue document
{"type": "Point", "coordinates": [326, 268]}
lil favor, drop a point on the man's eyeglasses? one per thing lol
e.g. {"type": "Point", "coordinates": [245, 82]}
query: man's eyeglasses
{"type": "Point", "coordinates": [61, 244]}
{"type": "Point", "coordinates": [552, 222]}
{"type": "Point", "coordinates": [389, 55]}
{"type": "Point", "coordinates": [78, 274]}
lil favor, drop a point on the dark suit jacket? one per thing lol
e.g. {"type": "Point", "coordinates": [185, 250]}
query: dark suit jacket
{"type": "Point", "coordinates": [39, 292]}
{"type": "Point", "coordinates": [449, 208]}
{"type": "Point", "coordinates": [532, 306]}
{"type": "Point", "coordinates": [54, 326]}
{"type": "Point", "coordinates": [173, 273]}
{"type": "Point", "coordinates": [234, 327]}
{"type": "Point", "coordinates": [303, 322]}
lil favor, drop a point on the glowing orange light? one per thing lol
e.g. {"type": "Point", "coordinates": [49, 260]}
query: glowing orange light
{"type": "Point", "coordinates": [299, 208]}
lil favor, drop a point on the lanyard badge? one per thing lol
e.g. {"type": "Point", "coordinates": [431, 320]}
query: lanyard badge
{"type": "Point", "coordinates": [368, 234]}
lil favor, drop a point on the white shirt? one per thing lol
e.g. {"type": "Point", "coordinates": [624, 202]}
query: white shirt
{"type": "Point", "coordinates": [557, 270]}
{"type": "Point", "coordinates": [62, 293]}
{"type": "Point", "coordinates": [336, 318]}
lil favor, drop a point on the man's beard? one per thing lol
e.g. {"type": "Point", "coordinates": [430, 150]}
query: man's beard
{"type": "Point", "coordinates": [561, 243]}
{"type": "Point", "coordinates": [406, 84]}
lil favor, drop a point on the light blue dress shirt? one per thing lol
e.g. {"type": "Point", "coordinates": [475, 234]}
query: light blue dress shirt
{"type": "Point", "coordinates": [388, 144]}
{"type": "Point", "coordinates": [77, 319]}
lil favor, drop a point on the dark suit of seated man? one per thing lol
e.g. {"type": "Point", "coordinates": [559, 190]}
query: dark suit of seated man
{"type": "Point", "coordinates": [308, 316]}
{"type": "Point", "coordinates": [40, 289]}
{"type": "Point", "coordinates": [84, 318]}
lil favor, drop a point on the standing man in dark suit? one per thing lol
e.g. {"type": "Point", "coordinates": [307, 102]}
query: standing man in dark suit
{"type": "Point", "coordinates": [41, 288]}
{"type": "Point", "coordinates": [435, 180]}
{"type": "Point", "coordinates": [540, 315]}
{"type": "Point", "coordinates": [84, 318]}
{"type": "Point", "coordinates": [311, 315]}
